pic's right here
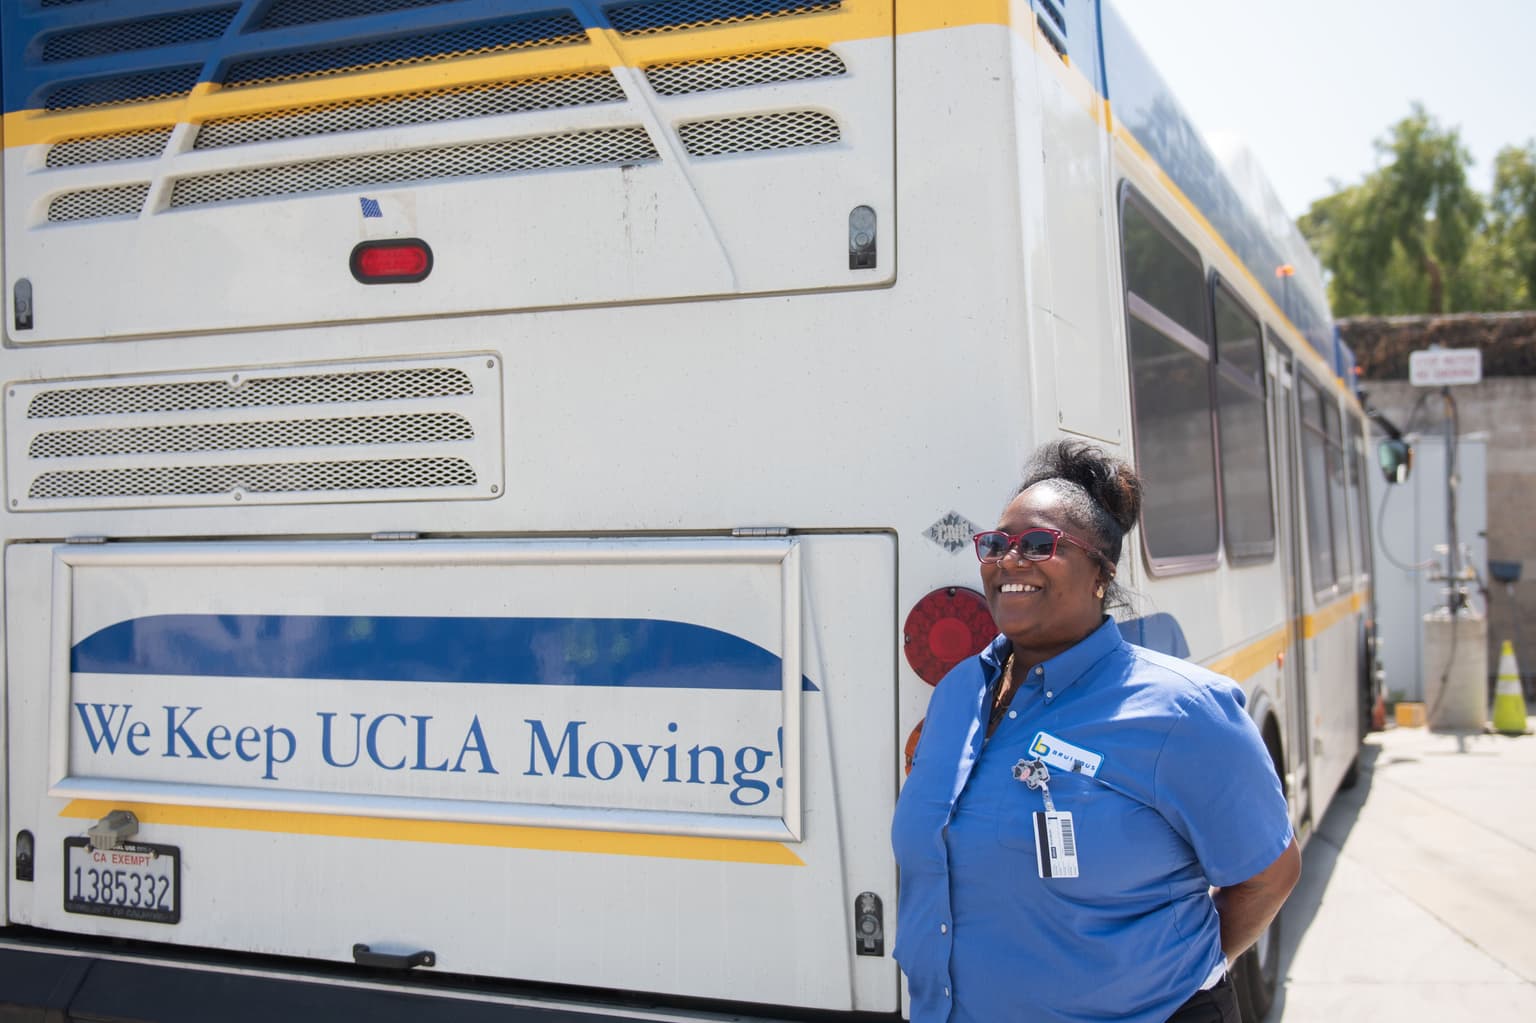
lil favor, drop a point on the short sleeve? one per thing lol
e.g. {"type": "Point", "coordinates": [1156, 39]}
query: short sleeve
{"type": "Point", "coordinates": [1217, 787]}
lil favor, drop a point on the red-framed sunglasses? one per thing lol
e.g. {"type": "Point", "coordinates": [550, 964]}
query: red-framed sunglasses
{"type": "Point", "coordinates": [1037, 544]}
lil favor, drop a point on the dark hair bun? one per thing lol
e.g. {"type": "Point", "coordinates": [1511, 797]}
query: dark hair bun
{"type": "Point", "coordinates": [1109, 483]}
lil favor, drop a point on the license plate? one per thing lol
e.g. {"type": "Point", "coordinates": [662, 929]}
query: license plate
{"type": "Point", "coordinates": [134, 881]}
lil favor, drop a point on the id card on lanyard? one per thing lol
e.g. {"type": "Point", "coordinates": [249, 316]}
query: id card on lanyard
{"type": "Point", "coordinates": [1055, 836]}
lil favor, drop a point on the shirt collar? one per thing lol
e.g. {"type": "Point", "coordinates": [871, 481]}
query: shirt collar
{"type": "Point", "coordinates": [1065, 668]}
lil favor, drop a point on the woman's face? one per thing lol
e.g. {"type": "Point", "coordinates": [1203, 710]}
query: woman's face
{"type": "Point", "coordinates": [1044, 607]}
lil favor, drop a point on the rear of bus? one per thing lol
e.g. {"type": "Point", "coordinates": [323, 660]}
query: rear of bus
{"type": "Point", "coordinates": [467, 467]}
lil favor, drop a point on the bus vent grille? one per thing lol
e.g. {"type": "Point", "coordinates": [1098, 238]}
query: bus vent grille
{"type": "Point", "coordinates": [410, 430]}
{"type": "Point", "coordinates": [649, 17]}
{"type": "Point", "coordinates": [144, 85]}
{"type": "Point", "coordinates": [761, 131]}
{"type": "Point", "coordinates": [292, 433]}
{"type": "Point", "coordinates": [1052, 19]}
{"type": "Point", "coordinates": [132, 145]}
{"type": "Point", "coordinates": [572, 149]}
{"type": "Point", "coordinates": [279, 478]}
{"type": "Point", "coordinates": [283, 13]}
{"type": "Point", "coordinates": [256, 391]}
{"type": "Point", "coordinates": [545, 29]}
{"type": "Point", "coordinates": [144, 34]}
{"type": "Point", "coordinates": [415, 108]}
{"type": "Point", "coordinates": [802, 62]}
{"type": "Point", "coordinates": [92, 203]}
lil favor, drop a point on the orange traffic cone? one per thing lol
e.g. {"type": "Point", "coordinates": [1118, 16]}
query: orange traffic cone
{"type": "Point", "coordinates": [1508, 699]}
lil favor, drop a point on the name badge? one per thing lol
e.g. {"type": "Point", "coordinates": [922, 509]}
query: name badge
{"type": "Point", "coordinates": [1063, 756]}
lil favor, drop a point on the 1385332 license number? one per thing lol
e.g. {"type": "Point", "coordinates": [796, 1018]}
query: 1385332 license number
{"type": "Point", "coordinates": [131, 881]}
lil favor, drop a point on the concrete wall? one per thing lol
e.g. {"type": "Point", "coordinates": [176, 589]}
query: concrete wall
{"type": "Point", "coordinates": [1505, 409]}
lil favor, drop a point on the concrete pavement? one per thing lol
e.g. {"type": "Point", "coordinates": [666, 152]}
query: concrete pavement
{"type": "Point", "coordinates": [1417, 898]}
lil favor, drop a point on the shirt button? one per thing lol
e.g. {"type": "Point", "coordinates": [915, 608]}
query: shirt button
{"type": "Point", "coordinates": [943, 928]}
{"type": "Point", "coordinates": [1013, 713]}
{"type": "Point", "coordinates": [1049, 695]}
{"type": "Point", "coordinates": [946, 992]}
{"type": "Point", "coordinates": [1039, 671]}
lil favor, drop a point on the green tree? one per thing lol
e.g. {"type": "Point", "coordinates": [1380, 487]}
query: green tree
{"type": "Point", "coordinates": [1399, 242]}
{"type": "Point", "coordinates": [1511, 233]}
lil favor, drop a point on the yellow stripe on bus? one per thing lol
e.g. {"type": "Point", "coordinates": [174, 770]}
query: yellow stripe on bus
{"type": "Point", "coordinates": [1253, 658]}
{"type": "Point", "coordinates": [613, 843]}
{"type": "Point", "coordinates": [1326, 617]}
{"type": "Point", "coordinates": [1256, 656]}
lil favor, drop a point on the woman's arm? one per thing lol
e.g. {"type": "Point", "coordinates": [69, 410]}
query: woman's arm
{"type": "Point", "coordinates": [1246, 908]}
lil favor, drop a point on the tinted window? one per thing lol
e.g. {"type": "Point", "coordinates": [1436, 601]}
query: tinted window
{"type": "Point", "coordinates": [1172, 392]}
{"type": "Point", "coordinates": [1314, 461]}
{"type": "Point", "coordinates": [1164, 273]}
{"type": "Point", "coordinates": [1237, 338]}
{"type": "Point", "coordinates": [1336, 487]}
{"type": "Point", "coordinates": [1243, 428]}
{"type": "Point", "coordinates": [1357, 492]}
{"type": "Point", "coordinates": [1170, 389]}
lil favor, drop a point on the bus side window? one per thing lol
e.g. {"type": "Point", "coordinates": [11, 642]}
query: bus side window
{"type": "Point", "coordinates": [1355, 459]}
{"type": "Point", "coordinates": [1170, 391]}
{"type": "Point", "coordinates": [1247, 499]}
{"type": "Point", "coordinates": [1315, 459]}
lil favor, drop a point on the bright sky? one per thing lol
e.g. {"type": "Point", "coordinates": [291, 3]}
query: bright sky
{"type": "Point", "coordinates": [1311, 84]}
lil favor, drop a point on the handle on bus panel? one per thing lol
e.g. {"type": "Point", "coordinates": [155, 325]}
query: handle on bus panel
{"type": "Point", "coordinates": [365, 956]}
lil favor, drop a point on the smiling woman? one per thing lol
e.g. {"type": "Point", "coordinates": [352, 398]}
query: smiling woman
{"type": "Point", "coordinates": [1064, 748]}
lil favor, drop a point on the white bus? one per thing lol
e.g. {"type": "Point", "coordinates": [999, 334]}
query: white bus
{"type": "Point", "coordinates": [488, 483]}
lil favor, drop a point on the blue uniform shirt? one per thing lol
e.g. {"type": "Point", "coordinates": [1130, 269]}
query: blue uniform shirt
{"type": "Point", "coordinates": [1185, 797]}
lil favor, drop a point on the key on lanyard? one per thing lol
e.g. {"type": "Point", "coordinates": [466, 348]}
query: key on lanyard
{"type": "Point", "coordinates": [1036, 775]}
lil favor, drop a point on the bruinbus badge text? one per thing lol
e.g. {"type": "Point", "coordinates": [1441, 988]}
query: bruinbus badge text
{"type": "Point", "coordinates": [366, 741]}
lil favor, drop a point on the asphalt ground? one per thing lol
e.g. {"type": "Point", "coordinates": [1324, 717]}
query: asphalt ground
{"type": "Point", "coordinates": [1417, 899]}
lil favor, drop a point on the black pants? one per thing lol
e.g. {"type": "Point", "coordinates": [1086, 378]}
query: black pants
{"type": "Point", "coordinates": [1217, 1005]}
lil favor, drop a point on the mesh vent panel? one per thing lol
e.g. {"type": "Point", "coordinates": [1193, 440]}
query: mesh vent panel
{"type": "Point", "coordinates": [751, 69]}
{"type": "Point", "coordinates": [303, 433]}
{"type": "Point", "coordinates": [124, 88]}
{"type": "Point", "coordinates": [90, 204]}
{"type": "Point", "coordinates": [609, 145]}
{"type": "Point", "coordinates": [136, 145]}
{"type": "Point", "coordinates": [148, 33]}
{"type": "Point", "coordinates": [283, 13]}
{"type": "Point", "coordinates": [517, 33]}
{"type": "Point", "coordinates": [415, 108]}
{"type": "Point", "coordinates": [289, 477]}
{"type": "Point", "coordinates": [763, 131]}
{"type": "Point", "coordinates": [379, 385]}
{"type": "Point", "coordinates": [653, 16]}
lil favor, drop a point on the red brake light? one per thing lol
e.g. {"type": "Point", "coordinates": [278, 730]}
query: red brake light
{"type": "Point", "coordinates": [943, 629]}
{"type": "Point", "coordinates": [391, 261]}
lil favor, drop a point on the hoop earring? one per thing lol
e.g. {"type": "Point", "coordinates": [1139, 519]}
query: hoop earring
{"type": "Point", "coordinates": [1099, 593]}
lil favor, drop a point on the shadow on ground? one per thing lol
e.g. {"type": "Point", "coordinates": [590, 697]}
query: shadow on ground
{"type": "Point", "coordinates": [1318, 861]}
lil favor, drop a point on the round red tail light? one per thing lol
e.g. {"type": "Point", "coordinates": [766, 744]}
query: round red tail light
{"type": "Point", "coordinates": [943, 629]}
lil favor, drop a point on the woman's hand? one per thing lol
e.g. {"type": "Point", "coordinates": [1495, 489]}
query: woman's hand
{"type": "Point", "coordinates": [1246, 908]}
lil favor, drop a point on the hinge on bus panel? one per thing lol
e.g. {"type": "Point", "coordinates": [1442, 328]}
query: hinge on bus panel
{"type": "Point", "coordinates": [760, 531]}
{"type": "Point", "coordinates": [399, 534]}
{"type": "Point", "coordinates": [86, 539]}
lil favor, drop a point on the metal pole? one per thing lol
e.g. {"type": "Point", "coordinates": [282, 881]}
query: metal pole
{"type": "Point", "coordinates": [1452, 555]}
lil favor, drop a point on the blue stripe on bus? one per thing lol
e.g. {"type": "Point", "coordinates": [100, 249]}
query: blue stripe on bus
{"type": "Point", "coordinates": [630, 652]}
